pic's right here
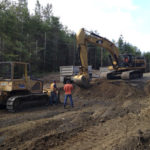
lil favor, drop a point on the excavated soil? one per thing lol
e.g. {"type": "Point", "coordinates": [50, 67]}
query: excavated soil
{"type": "Point", "coordinates": [110, 115]}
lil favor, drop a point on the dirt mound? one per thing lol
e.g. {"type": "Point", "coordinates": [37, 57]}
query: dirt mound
{"type": "Point", "coordinates": [50, 77]}
{"type": "Point", "coordinates": [147, 88]}
{"type": "Point", "coordinates": [109, 115]}
{"type": "Point", "coordinates": [139, 142]}
{"type": "Point", "coordinates": [112, 89]}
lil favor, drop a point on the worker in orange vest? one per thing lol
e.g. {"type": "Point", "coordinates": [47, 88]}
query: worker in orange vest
{"type": "Point", "coordinates": [53, 96]}
{"type": "Point", "coordinates": [68, 87]}
{"type": "Point", "coordinates": [126, 61]}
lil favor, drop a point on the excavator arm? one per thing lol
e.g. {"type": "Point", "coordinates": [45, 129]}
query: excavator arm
{"type": "Point", "coordinates": [83, 38]}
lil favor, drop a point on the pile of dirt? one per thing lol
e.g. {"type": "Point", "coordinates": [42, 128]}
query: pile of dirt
{"type": "Point", "coordinates": [147, 88]}
{"type": "Point", "coordinates": [139, 142]}
{"type": "Point", "coordinates": [112, 89]}
{"type": "Point", "coordinates": [50, 77]}
{"type": "Point", "coordinates": [108, 115]}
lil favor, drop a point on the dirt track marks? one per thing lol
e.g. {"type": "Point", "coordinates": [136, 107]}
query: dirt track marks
{"type": "Point", "coordinates": [103, 117]}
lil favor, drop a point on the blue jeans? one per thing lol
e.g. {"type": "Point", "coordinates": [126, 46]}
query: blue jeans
{"type": "Point", "coordinates": [65, 100]}
{"type": "Point", "coordinates": [53, 98]}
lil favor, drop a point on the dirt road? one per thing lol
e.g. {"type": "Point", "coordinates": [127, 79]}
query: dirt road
{"type": "Point", "coordinates": [111, 115]}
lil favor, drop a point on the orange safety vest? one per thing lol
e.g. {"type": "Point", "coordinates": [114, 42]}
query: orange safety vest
{"type": "Point", "coordinates": [68, 88]}
{"type": "Point", "coordinates": [126, 60]}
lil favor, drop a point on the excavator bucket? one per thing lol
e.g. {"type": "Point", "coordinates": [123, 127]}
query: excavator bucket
{"type": "Point", "coordinates": [81, 81]}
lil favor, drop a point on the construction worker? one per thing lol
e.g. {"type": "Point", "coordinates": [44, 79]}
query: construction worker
{"type": "Point", "coordinates": [53, 96]}
{"type": "Point", "coordinates": [126, 61]}
{"type": "Point", "coordinates": [68, 87]}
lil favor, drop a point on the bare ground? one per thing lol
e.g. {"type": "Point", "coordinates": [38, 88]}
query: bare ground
{"type": "Point", "coordinates": [111, 115]}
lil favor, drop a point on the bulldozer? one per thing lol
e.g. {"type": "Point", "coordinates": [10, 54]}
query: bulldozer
{"type": "Point", "coordinates": [124, 66]}
{"type": "Point", "coordinates": [18, 90]}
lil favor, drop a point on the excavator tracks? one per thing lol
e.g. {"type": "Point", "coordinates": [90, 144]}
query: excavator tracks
{"type": "Point", "coordinates": [125, 75]}
{"type": "Point", "coordinates": [131, 75]}
{"type": "Point", "coordinates": [17, 103]}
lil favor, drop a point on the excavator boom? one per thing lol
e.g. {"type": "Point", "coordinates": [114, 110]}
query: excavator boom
{"type": "Point", "coordinates": [134, 66]}
{"type": "Point", "coordinates": [84, 37]}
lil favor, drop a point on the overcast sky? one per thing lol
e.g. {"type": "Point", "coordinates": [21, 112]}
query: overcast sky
{"type": "Point", "coordinates": [110, 18]}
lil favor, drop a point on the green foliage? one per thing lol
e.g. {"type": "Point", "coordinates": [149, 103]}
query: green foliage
{"type": "Point", "coordinates": [39, 39]}
{"type": "Point", "coordinates": [125, 47]}
{"type": "Point", "coordinates": [43, 41]}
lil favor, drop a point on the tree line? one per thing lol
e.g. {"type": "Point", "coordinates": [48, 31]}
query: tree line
{"type": "Point", "coordinates": [43, 41]}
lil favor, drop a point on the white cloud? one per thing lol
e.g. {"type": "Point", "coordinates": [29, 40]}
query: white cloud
{"type": "Point", "coordinates": [122, 4]}
{"type": "Point", "coordinates": [110, 18]}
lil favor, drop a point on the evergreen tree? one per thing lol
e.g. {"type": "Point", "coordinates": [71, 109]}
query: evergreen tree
{"type": "Point", "coordinates": [43, 41]}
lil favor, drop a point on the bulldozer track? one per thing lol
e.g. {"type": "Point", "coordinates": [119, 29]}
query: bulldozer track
{"type": "Point", "coordinates": [17, 103]}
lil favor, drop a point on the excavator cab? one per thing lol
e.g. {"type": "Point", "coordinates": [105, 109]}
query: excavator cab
{"type": "Point", "coordinates": [125, 60]}
{"type": "Point", "coordinates": [129, 60]}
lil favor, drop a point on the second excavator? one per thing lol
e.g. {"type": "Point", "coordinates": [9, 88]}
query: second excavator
{"type": "Point", "coordinates": [124, 66]}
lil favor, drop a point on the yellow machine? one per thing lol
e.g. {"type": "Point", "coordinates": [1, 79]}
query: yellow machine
{"type": "Point", "coordinates": [123, 66]}
{"type": "Point", "coordinates": [17, 89]}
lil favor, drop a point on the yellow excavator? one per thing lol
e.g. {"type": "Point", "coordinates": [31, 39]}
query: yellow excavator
{"type": "Point", "coordinates": [17, 89]}
{"type": "Point", "coordinates": [124, 66]}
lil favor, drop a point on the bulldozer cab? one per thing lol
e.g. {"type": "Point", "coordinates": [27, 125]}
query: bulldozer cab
{"type": "Point", "coordinates": [15, 76]}
{"type": "Point", "coordinates": [14, 70]}
{"type": "Point", "coordinates": [5, 71]}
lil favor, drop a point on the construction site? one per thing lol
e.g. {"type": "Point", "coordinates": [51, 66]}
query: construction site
{"type": "Point", "coordinates": [111, 105]}
{"type": "Point", "coordinates": [67, 89]}
{"type": "Point", "coordinates": [111, 114]}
